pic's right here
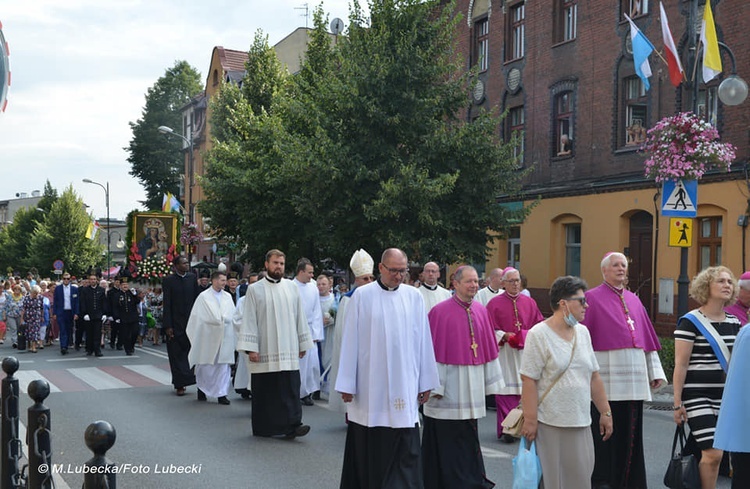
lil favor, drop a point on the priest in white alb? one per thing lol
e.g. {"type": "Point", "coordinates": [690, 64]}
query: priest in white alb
{"type": "Point", "coordinates": [271, 339]}
{"type": "Point", "coordinates": [387, 369]}
{"type": "Point", "coordinates": [309, 365]}
{"type": "Point", "coordinates": [431, 290]}
{"type": "Point", "coordinates": [466, 354]}
{"type": "Point", "coordinates": [211, 336]}
{"type": "Point", "coordinates": [493, 288]}
{"type": "Point", "coordinates": [362, 265]}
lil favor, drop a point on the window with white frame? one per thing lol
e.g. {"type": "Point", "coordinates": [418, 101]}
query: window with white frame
{"type": "Point", "coordinates": [516, 124]}
{"type": "Point", "coordinates": [573, 249]}
{"type": "Point", "coordinates": [515, 48]}
{"type": "Point", "coordinates": [635, 117]}
{"type": "Point", "coordinates": [482, 43]}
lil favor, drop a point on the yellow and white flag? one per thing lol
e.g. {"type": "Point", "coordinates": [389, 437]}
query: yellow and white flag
{"type": "Point", "coordinates": [92, 229]}
{"type": "Point", "coordinates": [711, 56]}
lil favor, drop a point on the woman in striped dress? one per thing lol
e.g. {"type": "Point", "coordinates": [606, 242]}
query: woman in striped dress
{"type": "Point", "coordinates": [698, 374]}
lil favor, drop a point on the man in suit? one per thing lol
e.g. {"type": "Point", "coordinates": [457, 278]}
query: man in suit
{"type": "Point", "coordinates": [65, 310]}
{"type": "Point", "coordinates": [93, 309]}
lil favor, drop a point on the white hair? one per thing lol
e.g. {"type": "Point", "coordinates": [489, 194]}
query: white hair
{"type": "Point", "coordinates": [607, 260]}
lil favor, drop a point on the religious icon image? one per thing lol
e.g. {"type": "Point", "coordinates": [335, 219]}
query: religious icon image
{"type": "Point", "coordinates": [154, 234]}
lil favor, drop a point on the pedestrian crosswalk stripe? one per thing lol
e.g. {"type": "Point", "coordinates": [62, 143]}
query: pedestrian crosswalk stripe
{"type": "Point", "coordinates": [105, 377]}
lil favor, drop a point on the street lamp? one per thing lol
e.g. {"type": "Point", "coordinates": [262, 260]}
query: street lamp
{"type": "Point", "coordinates": [731, 91]}
{"type": "Point", "coordinates": [170, 132]}
{"type": "Point", "coordinates": [106, 201]}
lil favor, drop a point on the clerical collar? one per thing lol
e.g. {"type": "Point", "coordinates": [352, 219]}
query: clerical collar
{"type": "Point", "coordinates": [617, 290]}
{"type": "Point", "coordinates": [431, 287]}
{"type": "Point", "coordinates": [511, 296]}
{"type": "Point", "coordinates": [181, 275]}
{"type": "Point", "coordinates": [465, 305]}
{"type": "Point", "coordinates": [385, 287]}
{"type": "Point", "coordinates": [273, 280]}
{"type": "Point", "coordinates": [492, 290]}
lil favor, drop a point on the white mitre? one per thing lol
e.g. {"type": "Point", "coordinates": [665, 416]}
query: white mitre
{"type": "Point", "coordinates": [361, 263]}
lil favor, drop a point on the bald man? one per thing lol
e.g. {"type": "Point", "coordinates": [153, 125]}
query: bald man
{"type": "Point", "coordinates": [431, 290]}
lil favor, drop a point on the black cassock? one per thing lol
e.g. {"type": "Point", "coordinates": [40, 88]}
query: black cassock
{"type": "Point", "coordinates": [179, 295]}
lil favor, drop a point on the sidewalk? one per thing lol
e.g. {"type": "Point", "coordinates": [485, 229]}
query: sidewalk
{"type": "Point", "coordinates": [662, 399]}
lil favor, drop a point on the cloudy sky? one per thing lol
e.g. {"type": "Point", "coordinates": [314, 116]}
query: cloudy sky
{"type": "Point", "coordinates": [80, 71]}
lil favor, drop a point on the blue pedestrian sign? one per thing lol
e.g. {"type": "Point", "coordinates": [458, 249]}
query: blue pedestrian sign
{"type": "Point", "coordinates": [680, 198]}
{"type": "Point", "coordinates": [58, 265]}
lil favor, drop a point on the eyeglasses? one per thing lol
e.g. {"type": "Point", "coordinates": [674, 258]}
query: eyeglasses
{"type": "Point", "coordinates": [395, 271]}
{"type": "Point", "coordinates": [582, 300]}
{"type": "Point", "coordinates": [66, 278]}
{"type": "Point", "coordinates": [514, 281]}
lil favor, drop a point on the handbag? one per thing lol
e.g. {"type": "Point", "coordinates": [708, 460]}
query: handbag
{"type": "Point", "coordinates": [527, 468]}
{"type": "Point", "coordinates": [513, 422]}
{"type": "Point", "coordinates": [682, 471]}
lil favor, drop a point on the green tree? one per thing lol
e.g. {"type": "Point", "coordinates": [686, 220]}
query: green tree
{"type": "Point", "coordinates": [62, 236]}
{"type": "Point", "coordinates": [157, 161]}
{"type": "Point", "coordinates": [369, 147]}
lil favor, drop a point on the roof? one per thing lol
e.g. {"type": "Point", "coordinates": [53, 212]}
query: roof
{"type": "Point", "coordinates": [231, 59]}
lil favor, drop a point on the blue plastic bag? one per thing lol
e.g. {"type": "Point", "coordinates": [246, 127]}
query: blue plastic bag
{"type": "Point", "coordinates": [527, 469]}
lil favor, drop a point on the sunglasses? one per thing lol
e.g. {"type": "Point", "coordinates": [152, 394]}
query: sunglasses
{"type": "Point", "coordinates": [581, 300]}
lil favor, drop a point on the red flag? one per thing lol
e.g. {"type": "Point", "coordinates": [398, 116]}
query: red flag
{"type": "Point", "coordinates": [676, 72]}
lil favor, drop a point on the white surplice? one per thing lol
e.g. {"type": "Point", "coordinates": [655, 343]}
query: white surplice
{"type": "Point", "coordinates": [241, 376]}
{"type": "Point", "coordinates": [309, 365]}
{"type": "Point", "coordinates": [273, 325]}
{"type": "Point", "coordinates": [212, 343]}
{"type": "Point", "coordinates": [335, 403]}
{"type": "Point", "coordinates": [433, 297]}
{"type": "Point", "coordinates": [387, 357]}
{"type": "Point", "coordinates": [463, 389]}
{"type": "Point", "coordinates": [486, 294]}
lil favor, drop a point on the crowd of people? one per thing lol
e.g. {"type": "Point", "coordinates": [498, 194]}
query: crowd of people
{"type": "Point", "coordinates": [414, 364]}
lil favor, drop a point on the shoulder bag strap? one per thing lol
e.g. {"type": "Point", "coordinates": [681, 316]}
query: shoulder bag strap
{"type": "Point", "coordinates": [712, 336]}
{"type": "Point", "coordinates": [572, 352]}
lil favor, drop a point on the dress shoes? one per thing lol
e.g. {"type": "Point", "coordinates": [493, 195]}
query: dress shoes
{"type": "Point", "coordinates": [201, 395]}
{"type": "Point", "coordinates": [505, 438]}
{"type": "Point", "coordinates": [300, 430]}
{"type": "Point", "coordinates": [89, 353]}
{"type": "Point", "coordinates": [119, 347]}
{"type": "Point", "coordinates": [180, 391]}
{"type": "Point", "coordinates": [224, 401]}
{"type": "Point", "coordinates": [307, 401]}
{"type": "Point", "coordinates": [99, 354]}
{"type": "Point", "coordinates": [64, 351]}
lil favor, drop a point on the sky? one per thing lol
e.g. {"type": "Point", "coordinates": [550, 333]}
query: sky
{"type": "Point", "coordinates": [80, 70]}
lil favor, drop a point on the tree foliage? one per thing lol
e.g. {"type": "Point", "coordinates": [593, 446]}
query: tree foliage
{"type": "Point", "coordinates": [156, 160]}
{"type": "Point", "coordinates": [62, 235]}
{"type": "Point", "coordinates": [367, 147]}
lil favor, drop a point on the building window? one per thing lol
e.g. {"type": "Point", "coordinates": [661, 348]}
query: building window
{"type": "Point", "coordinates": [516, 122]}
{"type": "Point", "coordinates": [708, 104]}
{"type": "Point", "coordinates": [516, 32]}
{"type": "Point", "coordinates": [634, 8]}
{"type": "Point", "coordinates": [633, 132]}
{"type": "Point", "coordinates": [573, 249]}
{"type": "Point", "coordinates": [709, 242]}
{"type": "Point", "coordinates": [563, 138]}
{"type": "Point", "coordinates": [566, 20]}
{"type": "Point", "coordinates": [482, 43]}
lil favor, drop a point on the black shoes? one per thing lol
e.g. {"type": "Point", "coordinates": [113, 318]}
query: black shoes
{"type": "Point", "coordinates": [64, 351]}
{"type": "Point", "coordinates": [99, 354]}
{"type": "Point", "coordinates": [224, 401]}
{"type": "Point", "coordinates": [307, 401]}
{"type": "Point", "coordinates": [201, 395]}
{"type": "Point", "coordinates": [300, 430]}
{"type": "Point", "coordinates": [505, 438]}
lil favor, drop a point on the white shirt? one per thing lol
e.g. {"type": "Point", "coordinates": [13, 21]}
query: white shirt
{"type": "Point", "coordinates": [313, 313]}
{"type": "Point", "coordinates": [387, 357]}
{"type": "Point", "coordinates": [66, 298]}
{"type": "Point", "coordinates": [546, 354]}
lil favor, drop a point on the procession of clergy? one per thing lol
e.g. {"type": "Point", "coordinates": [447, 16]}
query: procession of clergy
{"type": "Point", "coordinates": [395, 348]}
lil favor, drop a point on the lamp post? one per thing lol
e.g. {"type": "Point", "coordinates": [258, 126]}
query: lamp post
{"type": "Point", "coordinates": [732, 91]}
{"type": "Point", "coordinates": [189, 141]}
{"type": "Point", "coordinates": [106, 201]}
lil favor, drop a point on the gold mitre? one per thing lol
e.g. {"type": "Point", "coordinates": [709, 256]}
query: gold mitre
{"type": "Point", "coordinates": [361, 263]}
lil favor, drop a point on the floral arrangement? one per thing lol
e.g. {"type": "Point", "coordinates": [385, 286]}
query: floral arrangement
{"type": "Point", "coordinates": [153, 268]}
{"type": "Point", "coordinates": [190, 234]}
{"type": "Point", "coordinates": [684, 146]}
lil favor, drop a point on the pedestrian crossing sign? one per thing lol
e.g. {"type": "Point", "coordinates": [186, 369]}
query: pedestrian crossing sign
{"type": "Point", "coordinates": [680, 198]}
{"type": "Point", "coordinates": [680, 232]}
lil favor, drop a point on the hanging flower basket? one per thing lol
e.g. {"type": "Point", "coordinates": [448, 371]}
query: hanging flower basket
{"type": "Point", "coordinates": [190, 234]}
{"type": "Point", "coordinates": [684, 146]}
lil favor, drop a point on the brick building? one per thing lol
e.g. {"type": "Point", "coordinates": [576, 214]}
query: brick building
{"type": "Point", "coordinates": [563, 69]}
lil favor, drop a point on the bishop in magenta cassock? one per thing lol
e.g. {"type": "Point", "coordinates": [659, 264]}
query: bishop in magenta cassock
{"type": "Point", "coordinates": [626, 347]}
{"type": "Point", "coordinates": [741, 308]}
{"type": "Point", "coordinates": [512, 315]}
{"type": "Point", "coordinates": [466, 355]}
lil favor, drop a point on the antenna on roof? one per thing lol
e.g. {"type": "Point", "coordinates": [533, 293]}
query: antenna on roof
{"type": "Point", "coordinates": [306, 8]}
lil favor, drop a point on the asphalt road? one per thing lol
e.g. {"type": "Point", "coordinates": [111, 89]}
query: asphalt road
{"type": "Point", "coordinates": [159, 434]}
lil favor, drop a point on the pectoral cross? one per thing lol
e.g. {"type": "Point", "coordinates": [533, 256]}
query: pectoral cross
{"type": "Point", "coordinates": [474, 347]}
{"type": "Point", "coordinates": [518, 325]}
{"type": "Point", "coordinates": [630, 323]}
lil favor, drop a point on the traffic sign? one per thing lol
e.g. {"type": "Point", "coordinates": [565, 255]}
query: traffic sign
{"type": "Point", "coordinates": [680, 198]}
{"type": "Point", "coordinates": [680, 232]}
{"type": "Point", "coordinates": [58, 265]}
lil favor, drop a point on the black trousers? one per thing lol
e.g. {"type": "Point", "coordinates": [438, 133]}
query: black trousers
{"type": "Point", "coordinates": [178, 349]}
{"type": "Point", "coordinates": [94, 336]}
{"type": "Point", "coordinates": [741, 470]}
{"type": "Point", "coordinates": [128, 335]}
{"type": "Point", "coordinates": [115, 334]}
{"type": "Point", "coordinates": [276, 408]}
{"type": "Point", "coordinates": [620, 461]}
{"type": "Point", "coordinates": [80, 331]}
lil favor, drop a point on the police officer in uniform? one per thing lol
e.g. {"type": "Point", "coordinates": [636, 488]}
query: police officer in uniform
{"type": "Point", "coordinates": [93, 309]}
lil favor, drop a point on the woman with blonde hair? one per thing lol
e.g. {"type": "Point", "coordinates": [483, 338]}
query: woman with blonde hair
{"type": "Point", "coordinates": [12, 313]}
{"type": "Point", "coordinates": [32, 315]}
{"type": "Point", "coordinates": [704, 339]}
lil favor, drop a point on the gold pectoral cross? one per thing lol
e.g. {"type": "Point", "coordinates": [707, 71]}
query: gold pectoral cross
{"type": "Point", "coordinates": [474, 347]}
{"type": "Point", "coordinates": [518, 325]}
